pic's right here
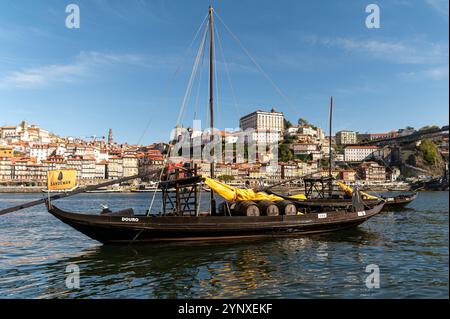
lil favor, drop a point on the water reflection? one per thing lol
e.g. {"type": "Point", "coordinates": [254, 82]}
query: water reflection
{"type": "Point", "coordinates": [211, 270]}
{"type": "Point", "coordinates": [410, 246]}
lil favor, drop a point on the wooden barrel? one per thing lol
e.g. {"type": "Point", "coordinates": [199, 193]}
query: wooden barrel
{"type": "Point", "coordinates": [287, 207]}
{"type": "Point", "coordinates": [268, 208]}
{"type": "Point", "coordinates": [247, 208]}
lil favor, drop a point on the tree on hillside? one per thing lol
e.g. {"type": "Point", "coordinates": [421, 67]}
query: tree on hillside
{"type": "Point", "coordinates": [426, 127]}
{"type": "Point", "coordinates": [302, 121]}
{"type": "Point", "coordinates": [287, 124]}
{"type": "Point", "coordinates": [284, 153]}
{"type": "Point", "coordinates": [429, 151]}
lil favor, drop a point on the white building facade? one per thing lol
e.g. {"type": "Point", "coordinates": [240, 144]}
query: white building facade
{"type": "Point", "coordinates": [261, 120]}
{"type": "Point", "coordinates": [346, 137]}
{"type": "Point", "coordinates": [360, 153]}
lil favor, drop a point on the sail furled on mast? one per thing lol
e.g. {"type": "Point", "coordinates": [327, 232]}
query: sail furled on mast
{"type": "Point", "coordinates": [357, 202]}
{"type": "Point", "coordinates": [235, 194]}
{"type": "Point", "coordinates": [349, 191]}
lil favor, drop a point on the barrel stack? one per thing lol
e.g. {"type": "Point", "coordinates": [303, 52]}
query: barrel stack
{"type": "Point", "coordinates": [258, 208]}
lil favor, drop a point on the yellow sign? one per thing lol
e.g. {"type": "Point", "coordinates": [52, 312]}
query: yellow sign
{"type": "Point", "coordinates": [61, 179]}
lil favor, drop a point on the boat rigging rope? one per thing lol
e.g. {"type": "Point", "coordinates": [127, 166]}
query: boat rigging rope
{"type": "Point", "coordinates": [181, 111]}
{"type": "Point", "coordinates": [192, 77]}
{"type": "Point", "coordinates": [260, 69]}
{"type": "Point", "coordinates": [177, 71]}
{"type": "Point", "coordinates": [202, 69]}
{"type": "Point", "coordinates": [227, 71]}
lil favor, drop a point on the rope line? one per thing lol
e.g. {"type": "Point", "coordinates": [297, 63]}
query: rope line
{"type": "Point", "coordinates": [180, 114]}
{"type": "Point", "coordinates": [278, 90]}
{"type": "Point", "coordinates": [177, 71]}
{"type": "Point", "coordinates": [192, 77]}
{"type": "Point", "coordinates": [227, 71]}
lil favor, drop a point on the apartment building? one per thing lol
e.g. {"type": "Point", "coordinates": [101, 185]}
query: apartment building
{"type": "Point", "coordinates": [346, 137]}
{"type": "Point", "coordinates": [360, 153]}
{"type": "Point", "coordinates": [372, 171]}
{"type": "Point", "coordinates": [261, 120]}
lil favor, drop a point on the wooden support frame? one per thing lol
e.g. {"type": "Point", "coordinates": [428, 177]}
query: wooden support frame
{"type": "Point", "coordinates": [180, 192]}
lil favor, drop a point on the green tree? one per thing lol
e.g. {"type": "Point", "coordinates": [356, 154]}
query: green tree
{"type": "Point", "coordinates": [428, 151]}
{"type": "Point", "coordinates": [289, 140]}
{"type": "Point", "coordinates": [284, 153]}
{"type": "Point", "coordinates": [287, 124]}
{"type": "Point", "coordinates": [428, 127]}
{"type": "Point", "coordinates": [302, 121]}
{"type": "Point", "coordinates": [304, 157]}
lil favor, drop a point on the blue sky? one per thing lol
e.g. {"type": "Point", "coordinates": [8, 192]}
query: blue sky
{"type": "Point", "coordinates": [128, 65]}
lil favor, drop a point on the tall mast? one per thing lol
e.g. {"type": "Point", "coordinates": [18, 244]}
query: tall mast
{"type": "Point", "coordinates": [211, 96]}
{"type": "Point", "coordinates": [330, 183]}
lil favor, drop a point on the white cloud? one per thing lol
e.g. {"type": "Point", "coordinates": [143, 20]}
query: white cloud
{"type": "Point", "coordinates": [93, 57]}
{"type": "Point", "coordinates": [435, 73]}
{"type": "Point", "coordinates": [41, 76]}
{"type": "Point", "coordinates": [71, 72]}
{"type": "Point", "coordinates": [441, 6]}
{"type": "Point", "coordinates": [398, 52]}
{"type": "Point", "coordinates": [133, 11]}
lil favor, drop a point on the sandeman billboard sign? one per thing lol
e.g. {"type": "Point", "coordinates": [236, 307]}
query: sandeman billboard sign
{"type": "Point", "coordinates": [61, 179]}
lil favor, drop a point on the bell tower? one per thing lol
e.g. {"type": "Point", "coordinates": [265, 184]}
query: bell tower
{"type": "Point", "coordinates": [110, 137]}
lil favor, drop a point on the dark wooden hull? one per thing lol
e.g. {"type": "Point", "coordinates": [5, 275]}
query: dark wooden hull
{"type": "Point", "coordinates": [397, 202]}
{"type": "Point", "coordinates": [142, 229]}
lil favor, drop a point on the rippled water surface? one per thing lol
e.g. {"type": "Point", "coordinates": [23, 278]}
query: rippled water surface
{"type": "Point", "coordinates": [410, 247]}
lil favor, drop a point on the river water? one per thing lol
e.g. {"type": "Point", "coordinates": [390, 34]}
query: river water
{"type": "Point", "coordinates": [409, 248]}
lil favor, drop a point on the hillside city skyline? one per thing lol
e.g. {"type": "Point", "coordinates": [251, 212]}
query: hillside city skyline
{"type": "Point", "coordinates": [104, 135]}
{"type": "Point", "coordinates": [282, 150]}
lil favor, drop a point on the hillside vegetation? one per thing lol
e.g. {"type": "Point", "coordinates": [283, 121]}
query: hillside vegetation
{"type": "Point", "coordinates": [425, 156]}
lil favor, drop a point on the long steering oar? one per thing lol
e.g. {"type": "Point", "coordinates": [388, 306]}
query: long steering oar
{"type": "Point", "coordinates": [75, 192]}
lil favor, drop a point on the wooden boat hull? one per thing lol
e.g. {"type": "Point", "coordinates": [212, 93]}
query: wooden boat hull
{"type": "Point", "coordinates": [399, 202]}
{"type": "Point", "coordinates": [326, 204]}
{"type": "Point", "coordinates": [128, 228]}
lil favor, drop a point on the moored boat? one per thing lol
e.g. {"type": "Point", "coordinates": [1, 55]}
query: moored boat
{"type": "Point", "coordinates": [324, 202]}
{"type": "Point", "coordinates": [126, 227]}
{"type": "Point", "coordinates": [394, 202]}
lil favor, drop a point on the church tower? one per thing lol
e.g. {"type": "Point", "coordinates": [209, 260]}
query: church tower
{"type": "Point", "coordinates": [110, 137]}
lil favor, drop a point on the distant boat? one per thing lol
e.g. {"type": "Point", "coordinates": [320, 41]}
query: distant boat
{"type": "Point", "coordinates": [324, 202]}
{"type": "Point", "coordinates": [114, 190]}
{"type": "Point", "coordinates": [147, 189]}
